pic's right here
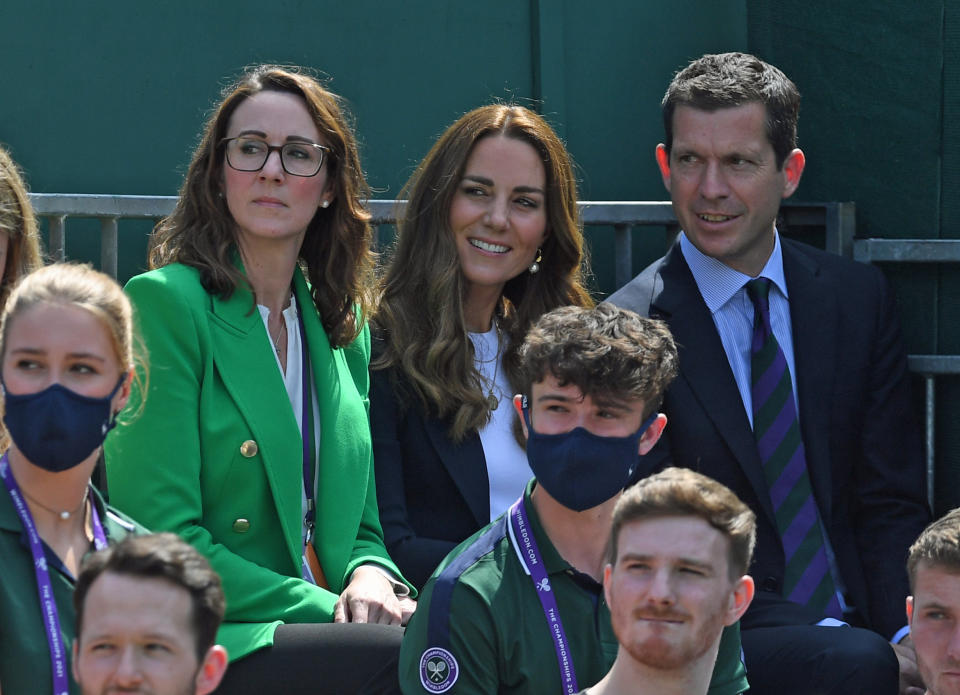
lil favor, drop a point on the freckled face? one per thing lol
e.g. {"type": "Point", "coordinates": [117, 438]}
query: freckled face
{"type": "Point", "coordinates": [724, 182]}
{"type": "Point", "coordinates": [669, 590]}
{"type": "Point", "coordinates": [270, 203]}
{"type": "Point", "coordinates": [498, 214]}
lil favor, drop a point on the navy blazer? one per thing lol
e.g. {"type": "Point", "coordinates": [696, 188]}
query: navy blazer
{"type": "Point", "coordinates": [433, 493]}
{"type": "Point", "coordinates": [859, 430]}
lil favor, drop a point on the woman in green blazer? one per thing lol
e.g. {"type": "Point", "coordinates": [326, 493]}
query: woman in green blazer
{"type": "Point", "coordinates": [253, 442]}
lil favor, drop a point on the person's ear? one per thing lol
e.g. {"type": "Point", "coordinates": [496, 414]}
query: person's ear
{"type": "Point", "coordinates": [792, 171]}
{"type": "Point", "coordinates": [663, 161]}
{"type": "Point", "coordinates": [740, 598]}
{"type": "Point", "coordinates": [211, 670]}
{"type": "Point", "coordinates": [123, 395]}
{"type": "Point", "coordinates": [607, 573]}
{"type": "Point", "coordinates": [518, 406]}
{"type": "Point", "coordinates": [910, 610]}
{"type": "Point", "coordinates": [652, 434]}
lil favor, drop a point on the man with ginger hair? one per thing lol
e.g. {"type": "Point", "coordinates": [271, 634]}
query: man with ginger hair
{"type": "Point", "coordinates": [675, 577]}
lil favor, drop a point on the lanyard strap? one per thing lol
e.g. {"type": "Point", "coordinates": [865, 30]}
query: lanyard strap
{"type": "Point", "coordinates": [533, 562]}
{"type": "Point", "coordinates": [306, 429]}
{"type": "Point", "coordinates": [51, 618]}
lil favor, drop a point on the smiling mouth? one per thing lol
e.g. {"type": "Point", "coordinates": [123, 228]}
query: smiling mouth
{"type": "Point", "coordinates": [707, 217]}
{"type": "Point", "coordinates": [486, 246]}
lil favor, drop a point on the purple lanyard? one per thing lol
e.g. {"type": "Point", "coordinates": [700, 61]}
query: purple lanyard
{"type": "Point", "coordinates": [51, 618]}
{"type": "Point", "coordinates": [530, 556]}
{"type": "Point", "coordinates": [306, 429]}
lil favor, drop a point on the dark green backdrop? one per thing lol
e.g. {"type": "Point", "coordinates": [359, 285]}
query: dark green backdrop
{"type": "Point", "coordinates": [108, 97]}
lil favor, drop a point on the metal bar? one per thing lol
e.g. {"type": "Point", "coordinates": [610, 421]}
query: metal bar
{"type": "Point", "coordinates": [57, 237]}
{"type": "Point", "coordinates": [847, 213]}
{"type": "Point", "coordinates": [930, 433]}
{"type": "Point", "coordinates": [627, 212]}
{"type": "Point", "coordinates": [108, 246]}
{"type": "Point", "coordinates": [90, 205]}
{"type": "Point", "coordinates": [385, 211]}
{"type": "Point", "coordinates": [934, 365]}
{"type": "Point", "coordinates": [907, 250]}
{"type": "Point", "coordinates": [623, 255]}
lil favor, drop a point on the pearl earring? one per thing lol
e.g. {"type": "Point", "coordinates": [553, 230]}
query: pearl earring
{"type": "Point", "coordinates": [535, 266]}
{"type": "Point", "coordinates": [325, 204]}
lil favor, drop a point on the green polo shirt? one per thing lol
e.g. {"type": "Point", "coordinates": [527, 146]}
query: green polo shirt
{"type": "Point", "coordinates": [24, 650]}
{"type": "Point", "coordinates": [480, 627]}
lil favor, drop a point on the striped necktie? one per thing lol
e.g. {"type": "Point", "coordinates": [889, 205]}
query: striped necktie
{"type": "Point", "coordinates": [807, 578]}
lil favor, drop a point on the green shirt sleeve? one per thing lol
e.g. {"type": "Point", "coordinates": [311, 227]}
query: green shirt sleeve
{"type": "Point", "coordinates": [470, 657]}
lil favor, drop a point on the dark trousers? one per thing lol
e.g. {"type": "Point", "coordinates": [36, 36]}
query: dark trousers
{"type": "Point", "coordinates": [814, 660]}
{"type": "Point", "coordinates": [320, 658]}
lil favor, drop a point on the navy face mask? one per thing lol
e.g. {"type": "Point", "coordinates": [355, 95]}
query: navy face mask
{"type": "Point", "coordinates": [57, 428]}
{"type": "Point", "coordinates": [581, 469]}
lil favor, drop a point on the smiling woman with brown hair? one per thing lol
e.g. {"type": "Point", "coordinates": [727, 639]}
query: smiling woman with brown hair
{"type": "Point", "coordinates": [489, 241]}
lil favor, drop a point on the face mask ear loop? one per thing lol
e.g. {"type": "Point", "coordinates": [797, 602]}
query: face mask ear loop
{"type": "Point", "coordinates": [112, 422]}
{"type": "Point", "coordinates": [525, 409]}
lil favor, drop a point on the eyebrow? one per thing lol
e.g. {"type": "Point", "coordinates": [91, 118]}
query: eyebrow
{"type": "Point", "coordinates": [558, 397]}
{"type": "Point", "coordinates": [685, 561]}
{"type": "Point", "coordinates": [489, 182]}
{"type": "Point", "coordinates": [261, 134]}
{"type": "Point", "coordinates": [73, 355]}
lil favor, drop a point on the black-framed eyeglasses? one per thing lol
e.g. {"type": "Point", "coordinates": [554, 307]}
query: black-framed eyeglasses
{"type": "Point", "coordinates": [297, 158]}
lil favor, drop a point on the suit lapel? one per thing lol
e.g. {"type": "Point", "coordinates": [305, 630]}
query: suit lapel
{"type": "Point", "coordinates": [704, 366]}
{"type": "Point", "coordinates": [466, 465]}
{"type": "Point", "coordinates": [248, 368]}
{"type": "Point", "coordinates": [813, 318]}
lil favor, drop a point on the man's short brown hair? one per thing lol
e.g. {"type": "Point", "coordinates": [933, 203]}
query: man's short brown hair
{"type": "Point", "coordinates": [683, 492]}
{"type": "Point", "coordinates": [161, 556]}
{"type": "Point", "coordinates": [938, 545]}
{"type": "Point", "coordinates": [604, 350]}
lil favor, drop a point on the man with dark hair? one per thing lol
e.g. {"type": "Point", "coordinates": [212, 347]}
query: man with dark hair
{"type": "Point", "coordinates": [518, 608]}
{"type": "Point", "coordinates": [675, 576]}
{"type": "Point", "coordinates": [793, 387]}
{"type": "Point", "coordinates": [148, 609]}
{"type": "Point", "coordinates": [934, 606]}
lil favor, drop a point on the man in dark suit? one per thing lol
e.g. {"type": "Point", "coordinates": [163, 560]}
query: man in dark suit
{"type": "Point", "coordinates": [793, 388]}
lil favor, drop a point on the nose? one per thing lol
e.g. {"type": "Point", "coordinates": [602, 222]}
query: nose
{"type": "Point", "coordinates": [273, 167]}
{"type": "Point", "coordinates": [498, 213]}
{"type": "Point", "coordinates": [127, 672]}
{"type": "Point", "coordinates": [660, 590]}
{"type": "Point", "coordinates": [953, 645]}
{"type": "Point", "coordinates": [713, 181]}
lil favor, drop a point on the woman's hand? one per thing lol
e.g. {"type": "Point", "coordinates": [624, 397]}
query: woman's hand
{"type": "Point", "coordinates": [369, 598]}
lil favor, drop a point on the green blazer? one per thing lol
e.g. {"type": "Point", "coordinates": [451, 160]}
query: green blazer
{"type": "Point", "coordinates": [214, 453]}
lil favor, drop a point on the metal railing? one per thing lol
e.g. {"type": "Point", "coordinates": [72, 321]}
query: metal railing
{"type": "Point", "coordinates": [836, 219]}
{"type": "Point", "coordinates": [928, 367]}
